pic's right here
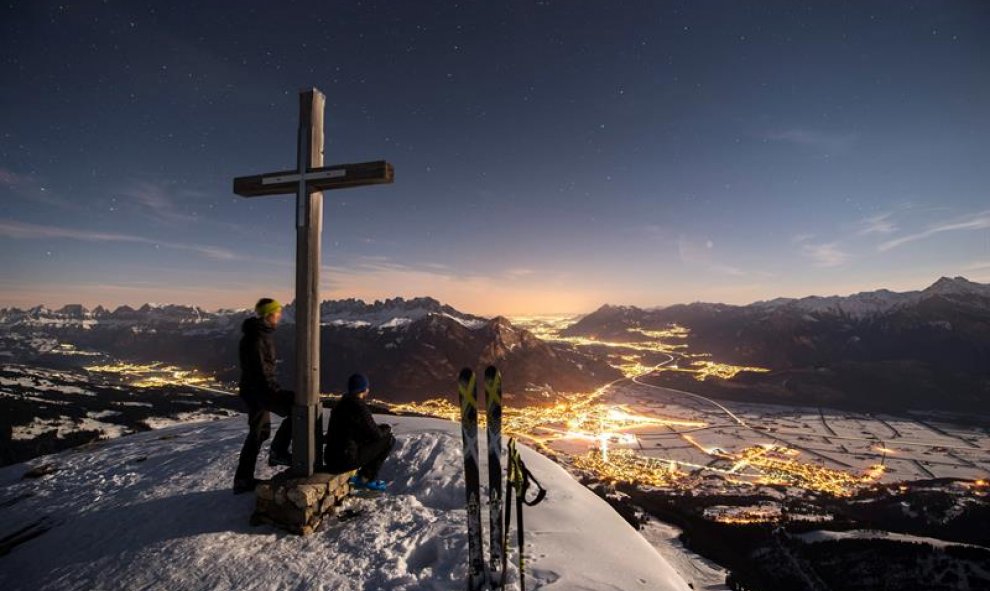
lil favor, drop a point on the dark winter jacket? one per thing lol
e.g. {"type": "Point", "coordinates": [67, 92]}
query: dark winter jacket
{"type": "Point", "coordinates": [351, 427]}
{"type": "Point", "coordinates": [257, 356]}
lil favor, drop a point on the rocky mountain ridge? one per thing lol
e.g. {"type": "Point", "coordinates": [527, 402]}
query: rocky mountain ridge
{"type": "Point", "coordinates": [787, 331]}
{"type": "Point", "coordinates": [921, 349]}
{"type": "Point", "coordinates": [412, 348]}
{"type": "Point", "coordinates": [390, 313]}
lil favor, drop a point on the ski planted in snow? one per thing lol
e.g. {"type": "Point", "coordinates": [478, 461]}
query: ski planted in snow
{"type": "Point", "coordinates": [493, 406]}
{"type": "Point", "coordinates": [467, 391]}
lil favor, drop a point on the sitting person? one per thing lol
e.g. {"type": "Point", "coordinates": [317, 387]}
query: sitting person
{"type": "Point", "coordinates": [354, 440]}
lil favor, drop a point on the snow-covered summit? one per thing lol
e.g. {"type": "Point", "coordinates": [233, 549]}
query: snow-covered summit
{"type": "Point", "coordinates": [957, 286]}
{"type": "Point", "coordinates": [394, 313]}
{"type": "Point", "coordinates": [155, 511]}
{"type": "Point", "coordinates": [390, 314]}
{"type": "Point", "coordinates": [77, 315]}
{"type": "Point", "coordinates": [881, 301]}
{"type": "Point", "coordinates": [857, 305]}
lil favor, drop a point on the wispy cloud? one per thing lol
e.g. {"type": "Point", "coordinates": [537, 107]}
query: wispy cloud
{"type": "Point", "coordinates": [154, 200]}
{"type": "Point", "coordinates": [376, 264]}
{"type": "Point", "coordinates": [701, 254]}
{"type": "Point", "coordinates": [826, 255]}
{"type": "Point", "coordinates": [32, 188]}
{"type": "Point", "coordinates": [726, 270]}
{"type": "Point", "coordinates": [975, 221]}
{"type": "Point", "coordinates": [879, 224]}
{"type": "Point", "coordinates": [11, 179]}
{"type": "Point", "coordinates": [814, 138]}
{"type": "Point", "coordinates": [26, 231]}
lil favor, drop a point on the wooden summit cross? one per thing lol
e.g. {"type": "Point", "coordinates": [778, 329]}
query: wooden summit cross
{"type": "Point", "coordinates": [307, 181]}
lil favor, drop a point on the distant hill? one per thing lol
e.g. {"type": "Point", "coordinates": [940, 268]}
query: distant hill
{"type": "Point", "coordinates": [928, 348]}
{"type": "Point", "coordinates": [411, 349]}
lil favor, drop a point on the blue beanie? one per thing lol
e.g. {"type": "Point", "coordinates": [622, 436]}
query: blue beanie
{"type": "Point", "coordinates": [357, 384]}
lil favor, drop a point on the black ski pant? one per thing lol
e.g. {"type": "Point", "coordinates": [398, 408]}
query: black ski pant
{"type": "Point", "coordinates": [260, 428]}
{"type": "Point", "coordinates": [371, 456]}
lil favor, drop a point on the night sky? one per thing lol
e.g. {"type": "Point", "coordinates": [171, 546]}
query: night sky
{"type": "Point", "coordinates": [549, 156]}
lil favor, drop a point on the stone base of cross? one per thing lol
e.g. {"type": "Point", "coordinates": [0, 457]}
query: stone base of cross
{"type": "Point", "coordinates": [308, 181]}
{"type": "Point", "coordinates": [300, 504]}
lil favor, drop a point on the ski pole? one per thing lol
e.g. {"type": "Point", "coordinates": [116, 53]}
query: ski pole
{"type": "Point", "coordinates": [507, 523]}
{"type": "Point", "coordinates": [519, 535]}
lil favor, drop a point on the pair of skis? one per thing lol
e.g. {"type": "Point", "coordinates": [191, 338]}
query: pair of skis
{"type": "Point", "coordinates": [480, 575]}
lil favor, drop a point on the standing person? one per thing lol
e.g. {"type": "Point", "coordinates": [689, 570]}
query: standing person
{"type": "Point", "coordinates": [354, 440]}
{"type": "Point", "coordinates": [260, 390]}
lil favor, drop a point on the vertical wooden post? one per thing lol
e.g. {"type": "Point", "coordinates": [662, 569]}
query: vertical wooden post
{"type": "Point", "coordinates": [307, 415]}
{"type": "Point", "coordinates": [308, 181]}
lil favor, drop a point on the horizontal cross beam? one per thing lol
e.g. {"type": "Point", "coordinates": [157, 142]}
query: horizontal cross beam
{"type": "Point", "coordinates": [325, 178]}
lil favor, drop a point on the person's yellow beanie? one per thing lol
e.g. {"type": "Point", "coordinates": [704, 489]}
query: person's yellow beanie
{"type": "Point", "coordinates": [264, 308]}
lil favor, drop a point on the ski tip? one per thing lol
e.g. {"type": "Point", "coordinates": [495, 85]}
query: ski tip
{"type": "Point", "coordinates": [466, 375]}
{"type": "Point", "coordinates": [491, 372]}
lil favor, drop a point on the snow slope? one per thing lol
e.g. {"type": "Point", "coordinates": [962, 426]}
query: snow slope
{"type": "Point", "coordinates": [821, 535]}
{"type": "Point", "coordinates": [155, 511]}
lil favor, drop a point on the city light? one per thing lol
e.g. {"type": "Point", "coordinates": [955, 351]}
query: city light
{"type": "Point", "coordinates": [625, 355]}
{"type": "Point", "coordinates": [781, 466]}
{"type": "Point", "coordinates": [609, 427]}
{"type": "Point", "coordinates": [155, 375]}
{"type": "Point", "coordinates": [576, 417]}
{"type": "Point", "coordinates": [703, 369]}
{"type": "Point", "coordinates": [731, 514]}
{"type": "Point", "coordinates": [625, 466]}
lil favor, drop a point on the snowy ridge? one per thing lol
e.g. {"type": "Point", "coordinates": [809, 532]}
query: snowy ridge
{"type": "Point", "coordinates": [820, 535]}
{"type": "Point", "coordinates": [882, 301]}
{"type": "Point", "coordinates": [154, 511]}
{"type": "Point", "coordinates": [858, 305]}
{"type": "Point", "coordinates": [391, 314]}
{"type": "Point", "coordinates": [75, 315]}
{"type": "Point", "coordinates": [395, 313]}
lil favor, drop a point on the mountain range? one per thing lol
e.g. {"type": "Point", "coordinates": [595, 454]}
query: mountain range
{"type": "Point", "coordinates": [411, 349]}
{"type": "Point", "coordinates": [353, 313]}
{"type": "Point", "coordinates": [927, 348]}
{"type": "Point", "coordinates": [879, 349]}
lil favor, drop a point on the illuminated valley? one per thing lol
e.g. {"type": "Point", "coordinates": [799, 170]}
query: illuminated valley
{"type": "Point", "coordinates": [637, 433]}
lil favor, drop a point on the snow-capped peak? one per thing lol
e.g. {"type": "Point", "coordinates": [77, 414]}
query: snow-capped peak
{"type": "Point", "coordinates": [393, 313]}
{"type": "Point", "coordinates": [878, 302]}
{"type": "Point", "coordinates": [390, 314]}
{"type": "Point", "coordinates": [957, 286]}
{"type": "Point", "coordinates": [856, 306]}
